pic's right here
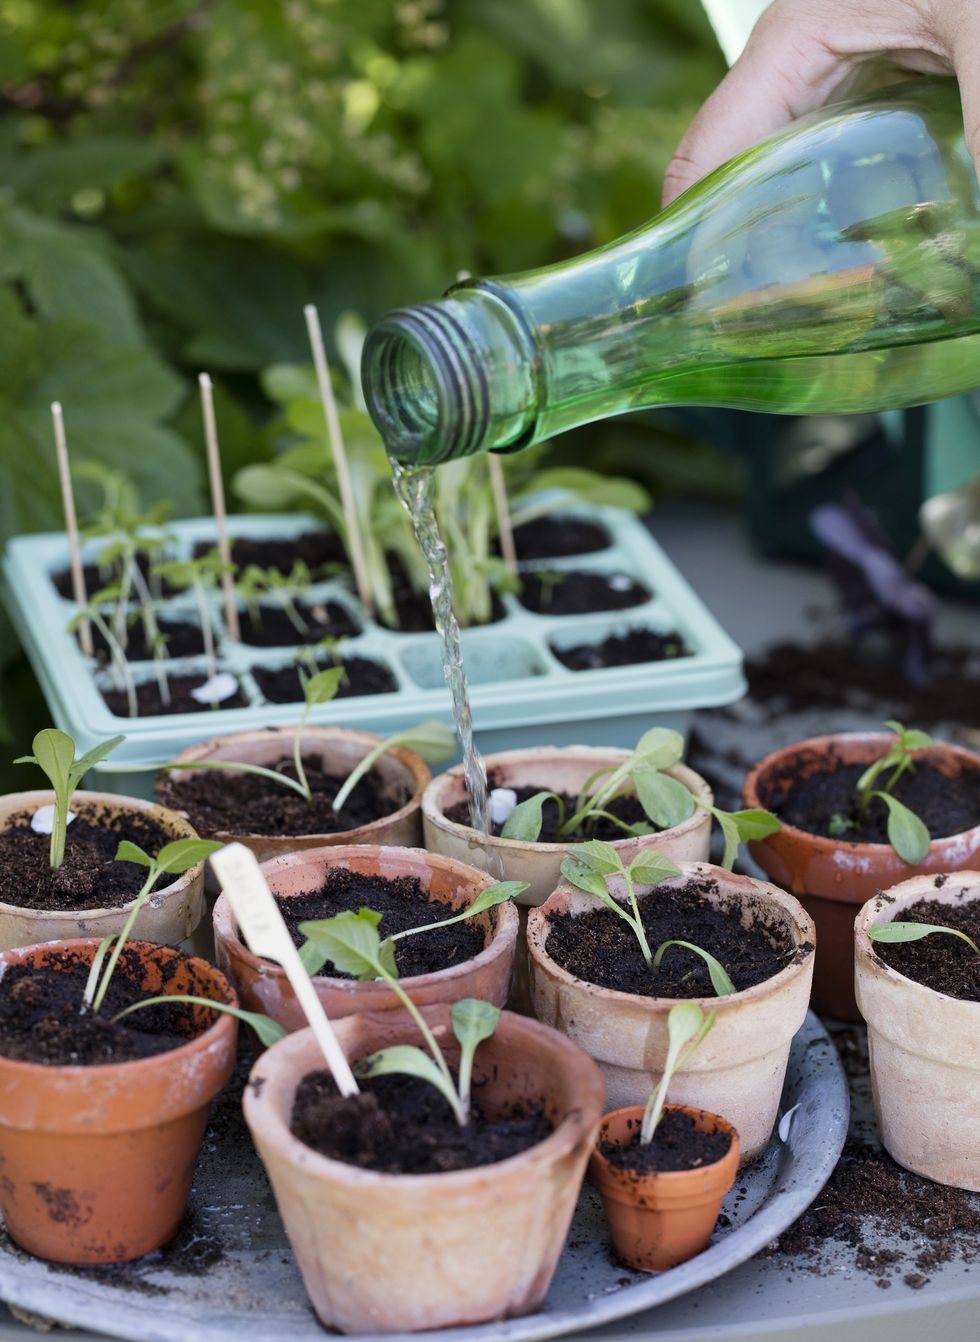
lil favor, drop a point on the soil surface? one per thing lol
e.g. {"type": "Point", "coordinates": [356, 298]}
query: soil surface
{"type": "Point", "coordinates": [184, 639]}
{"type": "Point", "coordinates": [577, 592]}
{"type": "Point", "coordinates": [627, 808]}
{"type": "Point", "coordinates": [150, 704]}
{"type": "Point", "coordinates": [557, 537]}
{"type": "Point", "coordinates": [825, 802]}
{"type": "Point", "coordinates": [276, 630]}
{"type": "Point", "coordinates": [414, 609]}
{"type": "Point", "coordinates": [89, 877]}
{"type": "Point", "coordinates": [41, 1019]}
{"type": "Point", "coordinates": [639, 645]}
{"type": "Point", "coordinates": [281, 684]}
{"type": "Point", "coordinates": [677, 1145]}
{"type": "Point", "coordinates": [402, 904]}
{"type": "Point", "coordinates": [242, 803]}
{"type": "Point", "coordinates": [95, 579]}
{"type": "Point", "coordinates": [600, 947]}
{"type": "Point", "coordinates": [402, 1125]}
{"type": "Point", "coordinates": [313, 548]}
{"type": "Point", "coordinates": [945, 964]}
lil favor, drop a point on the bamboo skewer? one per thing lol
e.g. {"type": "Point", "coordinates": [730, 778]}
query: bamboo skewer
{"type": "Point", "coordinates": [218, 504]}
{"type": "Point", "coordinates": [71, 525]}
{"type": "Point", "coordinates": [504, 526]}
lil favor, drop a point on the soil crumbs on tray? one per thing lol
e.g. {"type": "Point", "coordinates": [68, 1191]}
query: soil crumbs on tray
{"type": "Point", "coordinates": [149, 701]}
{"type": "Point", "coordinates": [282, 685]}
{"type": "Point", "coordinates": [402, 1125]}
{"type": "Point", "coordinates": [578, 592]}
{"type": "Point", "coordinates": [601, 948]}
{"type": "Point", "coordinates": [240, 803]}
{"type": "Point", "coordinates": [677, 1145]}
{"type": "Point", "coordinates": [89, 877]}
{"type": "Point", "coordinates": [402, 904]}
{"type": "Point", "coordinates": [943, 963]}
{"type": "Point", "coordinates": [41, 1020]}
{"type": "Point", "coordinates": [627, 809]}
{"type": "Point", "coordinates": [556, 537]}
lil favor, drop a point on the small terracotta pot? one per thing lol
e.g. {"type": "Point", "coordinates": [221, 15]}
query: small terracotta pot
{"type": "Point", "coordinates": [400, 1253]}
{"type": "Point", "coordinates": [832, 877]}
{"type": "Point", "coordinates": [339, 750]}
{"type": "Point", "coordinates": [263, 986]}
{"type": "Point", "coordinates": [169, 915]}
{"type": "Point", "coordinates": [739, 1069]}
{"type": "Point", "coordinates": [924, 1046]}
{"type": "Point", "coordinates": [660, 1220]}
{"type": "Point", "coordinates": [96, 1162]}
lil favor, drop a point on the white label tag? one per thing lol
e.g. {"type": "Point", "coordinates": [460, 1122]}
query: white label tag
{"type": "Point", "coordinates": [42, 821]}
{"type": "Point", "coordinates": [217, 689]}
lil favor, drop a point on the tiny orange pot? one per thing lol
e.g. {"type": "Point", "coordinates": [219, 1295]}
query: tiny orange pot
{"type": "Point", "coordinates": [660, 1220]}
{"type": "Point", "coordinates": [96, 1162]}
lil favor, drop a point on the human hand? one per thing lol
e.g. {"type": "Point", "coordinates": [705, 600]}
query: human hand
{"type": "Point", "coordinates": [800, 50]}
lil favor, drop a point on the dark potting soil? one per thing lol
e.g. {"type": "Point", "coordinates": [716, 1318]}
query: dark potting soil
{"type": "Point", "coordinates": [557, 537]}
{"type": "Point", "coordinates": [402, 904]}
{"type": "Point", "coordinates": [945, 964]}
{"type": "Point", "coordinates": [414, 609]}
{"type": "Point", "coordinates": [639, 645]}
{"type": "Point", "coordinates": [276, 630]}
{"type": "Point", "coordinates": [313, 548]}
{"type": "Point", "coordinates": [677, 1145]}
{"type": "Point", "coordinates": [184, 639]}
{"type": "Point", "coordinates": [150, 704]}
{"type": "Point", "coordinates": [402, 1125]}
{"type": "Point", "coordinates": [601, 948]}
{"type": "Point", "coordinates": [578, 592]}
{"type": "Point", "coordinates": [95, 578]}
{"type": "Point", "coordinates": [628, 809]}
{"type": "Point", "coordinates": [41, 1019]}
{"type": "Point", "coordinates": [945, 805]}
{"type": "Point", "coordinates": [89, 877]}
{"type": "Point", "coordinates": [240, 803]}
{"type": "Point", "coordinates": [281, 684]}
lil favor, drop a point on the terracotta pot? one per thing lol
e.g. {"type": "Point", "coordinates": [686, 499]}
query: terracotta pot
{"type": "Point", "coordinates": [169, 915]}
{"type": "Point", "coordinates": [660, 1220]}
{"type": "Point", "coordinates": [96, 1162]}
{"type": "Point", "coordinates": [263, 986]}
{"type": "Point", "coordinates": [339, 750]}
{"type": "Point", "coordinates": [399, 1253]}
{"type": "Point", "coordinates": [738, 1071]}
{"type": "Point", "coordinates": [832, 877]}
{"type": "Point", "coordinates": [924, 1046]}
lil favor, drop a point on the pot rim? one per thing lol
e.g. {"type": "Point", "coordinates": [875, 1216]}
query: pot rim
{"type": "Point", "coordinates": [668, 1180]}
{"type": "Point", "coordinates": [227, 928]}
{"type": "Point", "coordinates": [559, 1142]}
{"type": "Point", "coordinates": [223, 1026]}
{"type": "Point", "coordinates": [824, 843]}
{"type": "Point", "coordinates": [537, 938]}
{"type": "Point", "coordinates": [418, 771]}
{"type": "Point", "coordinates": [433, 812]}
{"type": "Point", "coordinates": [167, 818]}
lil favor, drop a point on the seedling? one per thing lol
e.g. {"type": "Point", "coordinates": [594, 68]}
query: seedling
{"type": "Point", "coordinates": [687, 1026]}
{"type": "Point", "coordinates": [897, 933]}
{"type": "Point", "coordinates": [256, 582]}
{"type": "Point", "coordinates": [200, 575]}
{"type": "Point", "coordinates": [352, 942]}
{"type": "Point", "coordinates": [269, 1031]}
{"type": "Point", "coordinates": [92, 613]}
{"type": "Point", "coordinates": [54, 753]}
{"type": "Point", "coordinates": [588, 867]}
{"type": "Point", "coordinates": [906, 832]}
{"type": "Point", "coordinates": [665, 801]}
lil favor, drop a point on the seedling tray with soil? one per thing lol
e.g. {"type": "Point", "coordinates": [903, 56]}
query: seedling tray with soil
{"type": "Point", "coordinates": [522, 693]}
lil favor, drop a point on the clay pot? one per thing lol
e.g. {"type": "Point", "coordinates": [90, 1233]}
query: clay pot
{"type": "Point", "coordinates": [96, 1162]}
{"type": "Point", "coordinates": [339, 750]}
{"type": "Point", "coordinates": [400, 1253]}
{"type": "Point", "coordinates": [660, 1220]}
{"type": "Point", "coordinates": [169, 915]}
{"type": "Point", "coordinates": [924, 1046]}
{"type": "Point", "coordinates": [263, 986]}
{"type": "Point", "coordinates": [739, 1069]}
{"type": "Point", "coordinates": [831, 877]}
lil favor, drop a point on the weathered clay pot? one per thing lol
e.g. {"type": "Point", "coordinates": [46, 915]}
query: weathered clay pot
{"type": "Point", "coordinates": [924, 1046]}
{"type": "Point", "coordinates": [169, 915]}
{"type": "Point", "coordinates": [340, 749]}
{"type": "Point", "coordinates": [400, 1253]}
{"type": "Point", "coordinates": [659, 1220]}
{"type": "Point", "coordinates": [738, 1071]}
{"type": "Point", "coordinates": [831, 877]}
{"type": "Point", "coordinates": [97, 1161]}
{"type": "Point", "coordinates": [263, 986]}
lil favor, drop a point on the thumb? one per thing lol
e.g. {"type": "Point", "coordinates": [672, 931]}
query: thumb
{"type": "Point", "coordinates": [959, 26]}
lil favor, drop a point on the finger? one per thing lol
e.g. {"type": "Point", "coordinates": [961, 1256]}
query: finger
{"type": "Point", "coordinates": [959, 27]}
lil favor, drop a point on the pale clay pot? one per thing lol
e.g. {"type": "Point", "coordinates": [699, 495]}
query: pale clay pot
{"type": "Point", "coordinates": [400, 1253]}
{"type": "Point", "coordinates": [738, 1071]}
{"type": "Point", "coordinates": [561, 769]}
{"type": "Point", "coordinates": [169, 915]}
{"type": "Point", "coordinates": [924, 1047]}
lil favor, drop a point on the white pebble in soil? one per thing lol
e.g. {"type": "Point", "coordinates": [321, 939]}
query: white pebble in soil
{"type": "Point", "coordinates": [42, 821]}
{"type": "Point", "coordinates": [502, 802]}
{"type": "Point", "coordinates": [217, 689]}
{"type": "Point", "coordinates": [619, 582]}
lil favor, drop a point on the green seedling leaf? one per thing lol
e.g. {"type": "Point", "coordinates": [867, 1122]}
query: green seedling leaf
{"type": "Point", "coordinates": [720, 980]}
{"type": "Point", "coordinates": [268, 1031]}
{"type": "Point", "coordinates": [179, 856]}
{"type": "Point", "coordinates": [910, 737]}
{"type": "Point", "coordinates": [433, 732]}
{"type": "Point", "coordinates": [95, 756]}
{"type": "Point", "coordinates": [321, 687]}
{"type": "Point", "coordinates": [649, 867]}
{"type": "Point", "coordinates": [408, 1060]}
{"type": "Point", "coordinates": [599, 856]}
{"type": "Point", "coordinates": [666, 801]}
{"type": "Point", "coordinates": [730, 833]}
{"type": "Point", "coordinates": [584, 878]}
{"type": "Point", "coordinates": [839, 825]}
{"type": "Point", "coordinates": [54, 753]}
{"type": "Point", "coordinates": [906, 833]}
{"type": "Point", "coordinates": [473, 1021]}
{"type": "Point", "coordinates": [349, 941]}
{"type": "Point", "coordinates": [525, 820]}
{"type": "Point", "coordinates": [498, 893]}
{"type": "Point", "coordinates": [755, 823]}
{"type": "Point", "coordinates": [894, 933]}
{"type": "Point", "coordinates": [312, 957]}
{"type": "Point", "coordinates": [432, 739]}
{"type": "Point", "coordinates": [658, 748]}
{"type": "Point", "coordinates": [686, 1024]}
{"type": "Point", "coordinates": [96, 968]}
{"type": "Point", "coordinates": [131, 852]}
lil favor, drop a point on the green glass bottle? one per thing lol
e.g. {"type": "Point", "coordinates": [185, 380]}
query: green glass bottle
{"type": "Point", "coordinates": [834, 268]}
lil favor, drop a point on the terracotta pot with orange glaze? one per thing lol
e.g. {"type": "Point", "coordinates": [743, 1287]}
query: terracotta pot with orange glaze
{"type": "Point", "coordinates": [831, 877]}
{"type": "Point", "coordinates": [96, 1162]}
{"type": "Point", "coordinates": [660, 1220]}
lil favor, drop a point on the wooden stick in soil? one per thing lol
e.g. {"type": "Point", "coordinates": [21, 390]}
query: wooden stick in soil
{"type": "Point", "coordinates": [505, 529]}
{"type": "Point", "coordinates": [218, 503]}
{"type": "Point", "coordinates": [354, 538]}
{"type": "Point", "coordinates": [71, 526]}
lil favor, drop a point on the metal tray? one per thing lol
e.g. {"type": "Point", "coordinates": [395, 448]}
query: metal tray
{"type": "Point", "coordinates": [230, 1273]}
